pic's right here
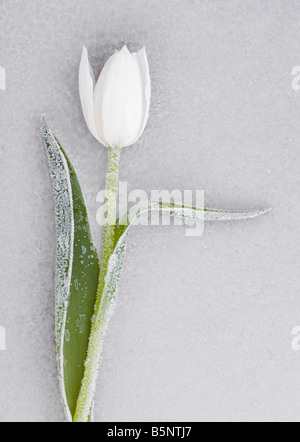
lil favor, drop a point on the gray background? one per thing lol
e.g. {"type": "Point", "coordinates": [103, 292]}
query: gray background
{"type": "Point", "coordinates": [202, 329]}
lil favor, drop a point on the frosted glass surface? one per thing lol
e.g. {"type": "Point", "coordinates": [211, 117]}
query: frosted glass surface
{"type": "Point", "coordinates": [202, 328]}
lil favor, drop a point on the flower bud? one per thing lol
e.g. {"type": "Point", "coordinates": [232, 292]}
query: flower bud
{"type": "Point", "coordinates": [116, 108]}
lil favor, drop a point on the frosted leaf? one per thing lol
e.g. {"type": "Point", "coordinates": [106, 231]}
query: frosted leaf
{"type": "Point", "coordinates": [77, 272]}
{"type": "Point", "coordinates": [67, 336]}
{"type": "Point", "coordinates": [192, 213]}
{"type": "Point", "coordinates": [64, 249]}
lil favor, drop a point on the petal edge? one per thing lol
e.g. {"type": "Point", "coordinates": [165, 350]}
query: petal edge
{"type": "Point", "coordinates": [86, 92]}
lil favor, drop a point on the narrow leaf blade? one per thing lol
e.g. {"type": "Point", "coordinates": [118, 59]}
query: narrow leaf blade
{"type": "Point", "coordinates": [122, 229]}
{"type": "Point", "coordinates": [191, 213]}
{"type": "Point", "coordinates": [77, 272]}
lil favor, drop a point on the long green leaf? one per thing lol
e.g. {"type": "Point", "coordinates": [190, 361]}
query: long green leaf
{"type": "Point", "coordinates": [77, 272]}
{"type": "Point", "coordinates": [114, 269]}
{"type": "Point", "coordinates": [126, 221]}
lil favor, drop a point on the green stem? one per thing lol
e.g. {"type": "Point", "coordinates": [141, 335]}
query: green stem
{"type": "Point", "coordinates": [99, 325]}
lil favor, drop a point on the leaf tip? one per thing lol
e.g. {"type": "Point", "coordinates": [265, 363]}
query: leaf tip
{"type": "Point", "coordinates": [44, 125]}
{"type": "Point", "coordinates": [265, 211]}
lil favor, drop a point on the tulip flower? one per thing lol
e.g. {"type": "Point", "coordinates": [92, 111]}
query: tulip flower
{"type": "Point", "coordinates": [116, 108]}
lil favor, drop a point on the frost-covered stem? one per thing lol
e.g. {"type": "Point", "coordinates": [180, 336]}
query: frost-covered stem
{"type": "Point", "coordinates": [86, 395]}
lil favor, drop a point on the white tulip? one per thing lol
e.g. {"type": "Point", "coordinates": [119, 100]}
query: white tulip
{"type": "Point", "coordinates": [116, 108]}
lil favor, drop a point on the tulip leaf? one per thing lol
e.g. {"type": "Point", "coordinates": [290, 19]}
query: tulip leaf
{"type": "Point", "coordinates": [192, 213]}
{"type": "Point", "coordinates": [181, 211]}
{"type": "Point", "coordinates": [115, 263]}
{"type": "Point", "coordinates": [77, 272]}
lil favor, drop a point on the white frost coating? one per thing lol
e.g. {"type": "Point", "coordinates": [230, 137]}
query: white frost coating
{"type": "Point", "coordinates": [64, 245]}
{"type": "Point", "coordinates": [189, 212]}
{"type": "Point", "coordinates": [223, 215]}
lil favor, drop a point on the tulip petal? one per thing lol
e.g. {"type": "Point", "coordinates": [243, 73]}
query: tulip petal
{"type": "Point", "coordinates": [144, 68]}
{"type": "Point", "coordinates": [86, 91]}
